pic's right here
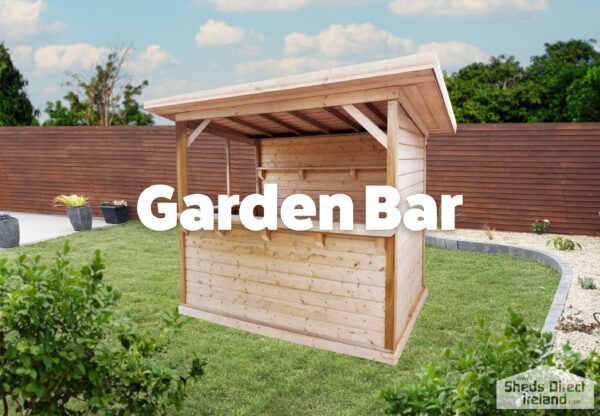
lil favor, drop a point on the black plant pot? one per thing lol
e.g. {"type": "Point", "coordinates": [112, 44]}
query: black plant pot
{"type": "Point", "coordinates": [114, 215]}
{"type": "Point", "coordinates": [81, 218]}
{"type": "Point", "coordinates": [9, 231]}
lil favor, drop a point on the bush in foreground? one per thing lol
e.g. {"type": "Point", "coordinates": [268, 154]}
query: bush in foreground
{"type": "Point", "coordinates": [65, 350]}
{"type": "Point", "coordinates": [464, 383]}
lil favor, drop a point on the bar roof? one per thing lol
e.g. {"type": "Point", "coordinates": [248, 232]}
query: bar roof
{"type": "Point", "coordinates": [312, 103]}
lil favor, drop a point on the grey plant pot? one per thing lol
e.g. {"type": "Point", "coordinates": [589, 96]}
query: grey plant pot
{"type": "Point", "coordinates": [81, 218]}
{"type": "Point", "coordinates": [9, 231]}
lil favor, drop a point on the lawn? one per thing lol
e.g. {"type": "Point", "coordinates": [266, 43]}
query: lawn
{"type": "Point", "coordinates": [253, 375]}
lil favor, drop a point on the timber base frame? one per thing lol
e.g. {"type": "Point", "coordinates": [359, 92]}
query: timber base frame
{"type": "Point", "coordinates": [381, 355]}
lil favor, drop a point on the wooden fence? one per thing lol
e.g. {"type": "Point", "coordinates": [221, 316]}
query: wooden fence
{"type": "Point", "coordinates": [38, 163]}
{"type": "Point", "coordinates": [512, 174]}
{"type": "Point", "coordinates": [509, 174]}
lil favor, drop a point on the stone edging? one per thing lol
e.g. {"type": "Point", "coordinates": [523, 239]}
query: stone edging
{"type": "Point", "coordinates": [565, 271]}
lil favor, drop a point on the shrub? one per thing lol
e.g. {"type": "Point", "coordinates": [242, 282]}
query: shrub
{"type": "Point", "coordinates": [587, 283]}
{"type": "Point", "coordinates": [563, 243]}
{"type": "Point", "coordinates": [64, 349]}
{"type": "Point", "coordinates": [464, 383]}
{"type": "Point", "coordinates": [540, 227]}
{"type": "Point", "coordinates": [72, 201]}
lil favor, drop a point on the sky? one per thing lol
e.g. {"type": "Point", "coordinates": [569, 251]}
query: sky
{"type": "Point", "coordinates": [183, 46]}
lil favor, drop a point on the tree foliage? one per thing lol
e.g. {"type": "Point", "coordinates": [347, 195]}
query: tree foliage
{"type": "Point", "coordinates": [64, 350]}
{"type": "Point", "coordinates": [15, 107]}
{"type": "Point", "coordinates": [560, 85]}
{"type": "Point", "coordinates": [105, 99]}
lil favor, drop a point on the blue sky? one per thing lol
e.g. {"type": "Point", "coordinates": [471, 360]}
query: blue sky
{"type": "Point", "coordinates": [188, 45]}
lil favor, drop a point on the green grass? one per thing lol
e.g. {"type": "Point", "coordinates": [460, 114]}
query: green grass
{"type": "Point", "coordinates": [253, 375]}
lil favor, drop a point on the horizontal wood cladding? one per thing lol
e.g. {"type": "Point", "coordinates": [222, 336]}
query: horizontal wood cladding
{"type": "Point", "coordinates": [331, 287]}
{"type": "Point", "coordinates": [331, 165]}
{"type": "Point", "coordinates": [38, 163]}
{"type": "Point", "coordinates": [512, 174]}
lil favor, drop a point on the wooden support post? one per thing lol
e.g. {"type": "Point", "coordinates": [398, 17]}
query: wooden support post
{"type": "Point", "coordinates": [259, 174]}
{"type": "Point", "coordinates": [228, 165]}
{"type": "Point", "coordinates": [182, 190]}
{"type": "Point", "coordinates": [393, 131]}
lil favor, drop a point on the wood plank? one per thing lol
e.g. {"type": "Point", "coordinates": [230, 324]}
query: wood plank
{"type": "Point", "coordinates": [315, 123]}
{"type": "Point", "coordinates": [373, 109]}
{"type": "Point", "coordinates": [206, 270]}
{"type": "Point", "coordinates": [197, 131]}
{"type": "Point", "coordinates": [343, 118]}
{"type": "Point", "coordinates": [390, 293]}
{"type": "Point", "coordinates": [367, 124]}
{"type": "Point", "coordinates": [320, 101]}
{"type": "Point", "coordinates": [182, 191]}
{"type": "Point", "coordinates": [283, 124]}
{"type": "Point", "coordinates": [314, 254]}
{"type": "Point", "coordinates": [414, 115]}
{"type": "Point", "coordinates": [338, 303]}
{"type": "Point", "coordinates": [251, 125]}
{"type": "Point", "coordinates": [283, 320]}
{"type": "Point", "coordinates": [315, 313]}
{"type": "Point", "coordinates": [390, 269]}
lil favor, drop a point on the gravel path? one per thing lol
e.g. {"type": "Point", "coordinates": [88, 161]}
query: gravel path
{"type": "Point", "coordinates": [581, 303]}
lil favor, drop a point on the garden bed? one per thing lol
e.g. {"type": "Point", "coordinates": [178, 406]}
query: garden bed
{"type": "Point", "coordinates": [249, 374]}
{"type": "Point", "coordinates": [581, 303]}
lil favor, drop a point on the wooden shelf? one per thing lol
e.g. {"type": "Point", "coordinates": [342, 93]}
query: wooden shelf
{"type": "Point", "coordinates": [302, 169]}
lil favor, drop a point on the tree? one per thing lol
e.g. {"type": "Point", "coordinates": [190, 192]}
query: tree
{"type": "Point", "coordinates": [65, 349]}
{"type": "Point", "coordinates": [105, 99]}
{"type": "Point", "coordinates": [489, 92]}
{"type": "Point", "coordinates": [583, 96]}
{"type": "Point", "coordinates": [550, 76]}
{"type": "Point", "coordinates": [15, 107]}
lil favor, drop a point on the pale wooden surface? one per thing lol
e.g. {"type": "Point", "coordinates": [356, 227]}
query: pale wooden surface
{"type": "Point", "coordinates": [410, 249]}
{"type": "Point", "coordinates": [268, 108]}
{"type": "Point", "coordinates": [328, 165]}
{"type": "Point", "coordinates": [334, 292]}
{"type": "Point", "coordinates": [182, 190]}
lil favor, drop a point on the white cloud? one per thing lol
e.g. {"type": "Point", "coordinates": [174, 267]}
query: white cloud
{"type": "Point", "coordinates": [455, 54]}
{"type": "Point", "coordinates": [152, 58]}
{"type": "Point", "coordinates": [84, 56]}
{"type": "Point", "coordinates": [214, 33]}
{"type": "Point", "coordinates": [73, 57]}
{"type": "Point", "coordinates": [22, 18]}
{"type": "Point", "coordinates": [21, 54]}
{"type": "Point", "coordinates": [338, 40]}
{"type": "Point", "coordinates": [337, 45]}
{"type": "Point", "coordinates": [278, 67]}
{"type": "Point", "coordinates": [488, 8]}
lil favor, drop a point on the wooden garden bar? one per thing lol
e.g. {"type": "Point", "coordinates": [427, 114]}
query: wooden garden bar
{"type": "Point", "coordinates": [355, 292]}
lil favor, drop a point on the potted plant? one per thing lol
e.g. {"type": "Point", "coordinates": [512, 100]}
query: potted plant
{"type": "Point", "coordinates": [9, 231]}
{"type": "Point", "coordinates": [115, 212]}
{"type": "Point", "coordinates": [78, 211]}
